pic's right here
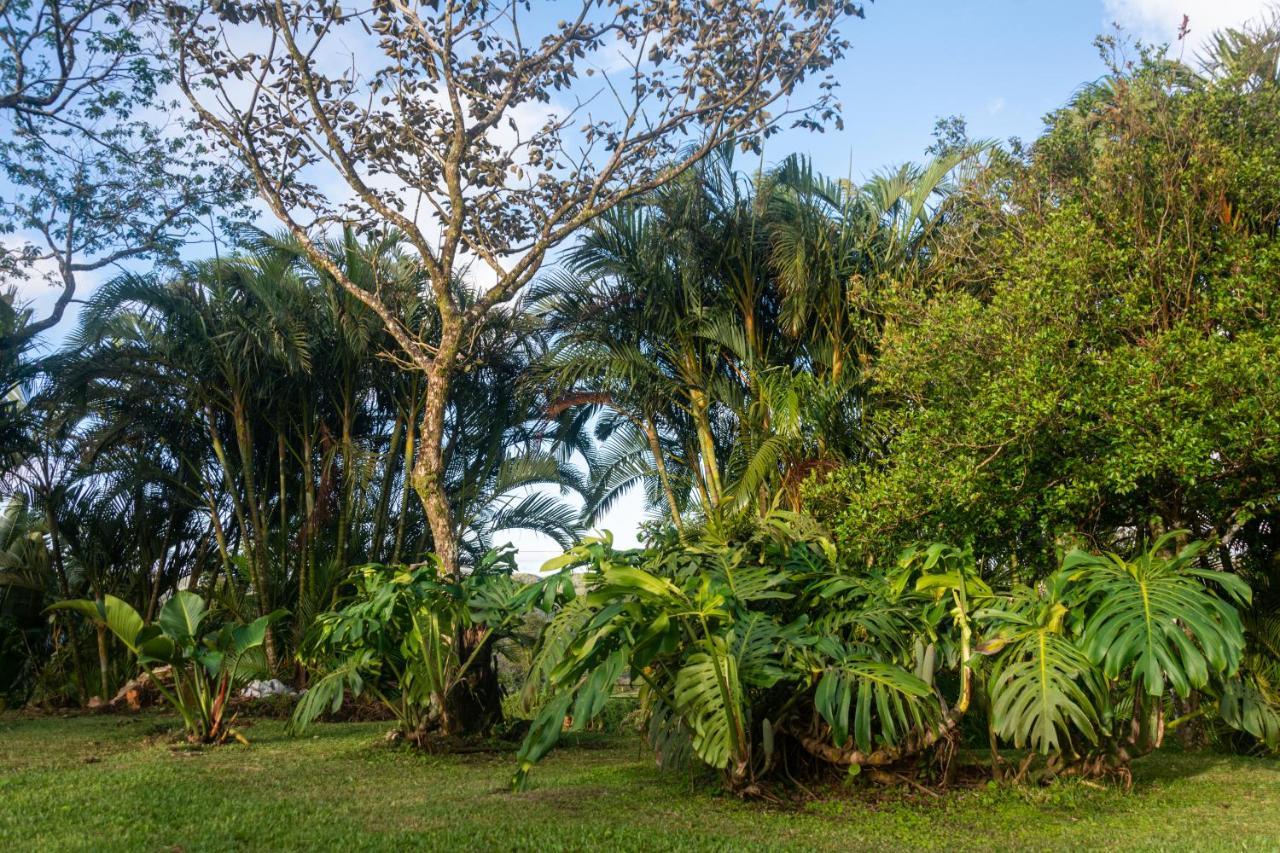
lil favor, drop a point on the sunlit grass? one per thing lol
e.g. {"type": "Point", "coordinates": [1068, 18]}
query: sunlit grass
{"type": "Point", "coordinates": [118, 783]}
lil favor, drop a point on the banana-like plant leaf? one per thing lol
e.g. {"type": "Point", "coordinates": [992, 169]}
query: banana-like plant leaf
{"type": "Point", "coordinates": [542, 735]}
{"type": "Point", "coordinates": [597, 688]}
{"type": "Point", "coordinates": [158, 648]}
{"type": "Point", "coordinates": [246, 637]}
{"type": "Point", "coordinates": [181, 615]}
{"type": "Point", "coordinates": [1245, 708]}
{"type": "Point", "coordinates": [119, 617]}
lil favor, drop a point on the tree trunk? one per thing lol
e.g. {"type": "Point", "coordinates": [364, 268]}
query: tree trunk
{"type": "Point", "coordinates": [428, 468]}
{"type": "Point", "coordinates": [474, 705]}
{"type": "Point", "coordinates": [257, 544]}
{"type": "Point", "coordinates": [65, 588]}
{"type": "Point", "coordinates": [707, 448]}
{"type": "Point", "coordinates": [660, 464]}
{"type": "Point", "coordinates": [377, 549]}
{"type": "Point", "coordinates": [102, 661]}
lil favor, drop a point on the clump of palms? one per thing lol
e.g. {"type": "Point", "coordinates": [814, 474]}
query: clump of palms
{"type": "Point", "coordinates": [721, 328]}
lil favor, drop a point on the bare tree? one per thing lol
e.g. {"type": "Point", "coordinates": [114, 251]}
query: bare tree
{"type": "Point", "coordinates": [487, 132]}
{"type": "Point", "coordinates": [93, 168]}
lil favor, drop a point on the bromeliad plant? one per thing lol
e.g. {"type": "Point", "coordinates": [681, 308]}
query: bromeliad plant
{"type": "Point", "coordinates": [414, 638]}
{"type": "Point", "coordinates": [206, 662]}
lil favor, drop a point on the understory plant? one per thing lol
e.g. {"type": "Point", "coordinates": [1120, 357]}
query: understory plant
{"type": "Point", "coordinates": [414, 638]}
{"type": "Point", "coordinates": [1087, 663]}
{"type": "Point", "coordinates": [744, 649]}
{"type": "Point", "coordinates": [207, 661]}
{"type": "Point", "coordinates": [760, 654]}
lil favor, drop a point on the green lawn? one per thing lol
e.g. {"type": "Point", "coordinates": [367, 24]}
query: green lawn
{"type": "Point", "coordinates": [113, 783]}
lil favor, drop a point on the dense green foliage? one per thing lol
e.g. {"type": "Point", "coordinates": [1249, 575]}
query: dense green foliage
{"type": "Point", "coordinates": [747, 650]}
{"type": "Point", "coordinates": [737, 647]}
{"type": "Point", "coordinates": [1096, 351]}
{"type": "Point", "coordinates": [1093, 359]}
{"type": "Point", "coordinates": [978, 457]}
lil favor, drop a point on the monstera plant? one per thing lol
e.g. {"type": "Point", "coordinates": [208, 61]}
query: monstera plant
{"type": "Point", "coordinates": [740, 649]}
{"type": "Point", "coordinates": [207, 662]}
{"type": "Point", "coordinates": [1084, 664]}
{"type": "Point", "coordinates": [746, 649]}
{"type": "Point", "coordinates": [412, 638]}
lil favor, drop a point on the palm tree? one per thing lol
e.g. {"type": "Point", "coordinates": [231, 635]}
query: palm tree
{"type": "Point", "coordinates": [1247, 57]}
{"type": "Point", "coordinates": [719, 331]}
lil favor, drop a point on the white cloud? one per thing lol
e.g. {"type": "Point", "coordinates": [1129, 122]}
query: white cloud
{"type": "Point", "coordinates": [995, 106]}
{"type": "Point", "coordinates": [1158, 20]}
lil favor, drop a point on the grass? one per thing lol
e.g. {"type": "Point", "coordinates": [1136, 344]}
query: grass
{"type": "Point", "coordinates": [107, 782]}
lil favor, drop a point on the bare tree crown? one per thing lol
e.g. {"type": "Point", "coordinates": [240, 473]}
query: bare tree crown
{"type": "Point", "coordinates": [489, 131]}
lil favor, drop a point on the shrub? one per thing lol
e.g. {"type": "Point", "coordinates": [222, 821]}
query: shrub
{"type": "Point", "coordinates": [411, 637]}
{"type": "Point", "coordinates": [747, 649]}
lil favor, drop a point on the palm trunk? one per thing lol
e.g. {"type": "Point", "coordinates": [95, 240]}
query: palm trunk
{"type": "Point", "coordinates": [220, 536]}
{"type": "Point", "coordinates": [283, 499]}
{"type": "Point", "coordinates": [348, 481]}
{"type": "Point", "coordinates": [55, 540]}
{"type": "Point", "coordinates": [161, 565]}
{"type": "Point", "coordinates": [706, 447]}
{"type": "Point", "coordinates": [102, 659]}
{"type": "Point", "coordinates": [397, 551]}
{"type": "Point", "coordinates": [384, 494]}
{"type": "Point", "coordinates": [660, 463]}
{"type": "Point", "coordinates": [306, 565]}
{"type": "Point", "coordinates": [198, 559]}
{"type": "Point", "coordinates": [257, 542]}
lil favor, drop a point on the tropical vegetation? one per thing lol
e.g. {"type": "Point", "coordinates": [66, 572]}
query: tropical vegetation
{"type": "Point", "coordinates": [969, 470]}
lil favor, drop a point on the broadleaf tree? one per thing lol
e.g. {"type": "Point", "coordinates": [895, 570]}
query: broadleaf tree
{"type": "Point", "coordinates": [98, 166]}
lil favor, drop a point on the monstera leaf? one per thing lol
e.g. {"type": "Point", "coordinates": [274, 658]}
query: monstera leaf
{"type": "Point", "coordinates": [1159, 615]}
{"type": "Point", "coordinates": [1044, 689]}
{"type": "Point", "coordinates": [709, 696]}
{"type": "Point", "coordinates": [882, 701]}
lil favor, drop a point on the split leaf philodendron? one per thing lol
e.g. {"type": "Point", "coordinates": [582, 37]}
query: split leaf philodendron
{"type": "Point", "coordinates": [746, 650]}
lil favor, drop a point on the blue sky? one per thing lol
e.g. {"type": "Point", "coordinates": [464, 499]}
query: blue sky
{"type": "Point", "coordinates": [1002, 64]}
